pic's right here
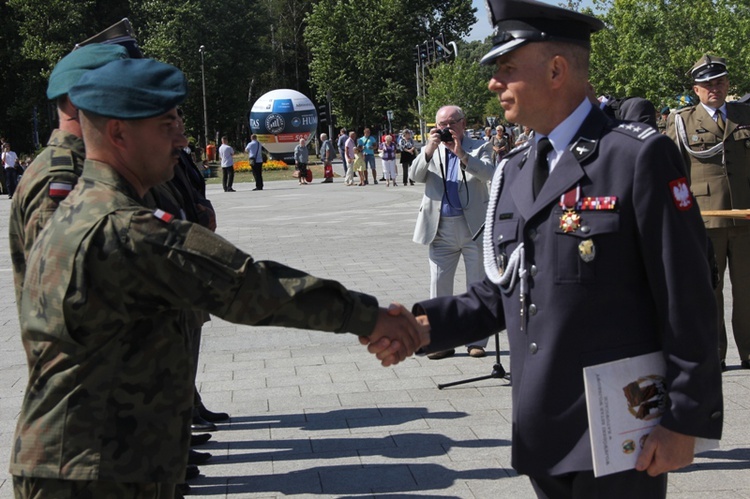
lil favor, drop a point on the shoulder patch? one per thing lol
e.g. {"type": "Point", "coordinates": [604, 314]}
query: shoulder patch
{"type": "Point", "coordinates": [681, 195]}
{"type": "Point", "coordinates": [639, 131]}
{"type": "Point", "coordinates": [163, 215]}
{"type": "Point", "coordinates": [59, 190]}
{"type": "Point", "coordinates": [60, 162]}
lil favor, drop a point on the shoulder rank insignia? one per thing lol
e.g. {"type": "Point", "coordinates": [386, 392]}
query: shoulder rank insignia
{"type": "Point", "coordinates": [640, 131]}
{"type": "Point", "coordinates": [681, 195]}
{"type": "Point", "coordinates": [520, 149]}
{"type": "Point", "coordinates": [163, 215]}
{"type": "Point", "coordinates": [59, 190]}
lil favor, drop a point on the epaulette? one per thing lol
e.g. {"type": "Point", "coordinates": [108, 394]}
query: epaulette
{"type": "Point", "coordinates": [639, 131]}
{"type": "Point", "coordinates": [61, 162]}
{"type": "Point", "coordinates": [739, 112]}
{"type": "Point", "coordinates": [519, 149]}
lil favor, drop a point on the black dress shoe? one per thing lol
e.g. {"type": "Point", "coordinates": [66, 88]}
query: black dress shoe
{"type": "Point", "coordinates": [200, 424]}
{"type": "Point", "coordinates": [199, 439]}
{"type": "Point", "coordinates": [213, 417]}
{"type": "Point", "coordinates": [441, 354]}
{"type": "Point", "coordinates": [723, 366]}
{"type": "Point", "coordinates": [191, 472]}
{"type": "Point", "coordinates": [196, 457]}
{"type": "Point", "coordinates": [745, 364]}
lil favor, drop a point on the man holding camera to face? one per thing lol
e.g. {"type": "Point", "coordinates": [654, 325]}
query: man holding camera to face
{"type": "Point", "coordinates": [455, 170]}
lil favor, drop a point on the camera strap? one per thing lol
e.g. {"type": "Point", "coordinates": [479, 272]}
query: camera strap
{"type": "Point", "coordinates": [444, 173]}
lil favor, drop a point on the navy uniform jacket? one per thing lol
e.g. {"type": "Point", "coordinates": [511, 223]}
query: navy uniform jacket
{"type": "Point", "coordinates": [631, 109]}
{"type": "Point", "coordinates": [646, 288]}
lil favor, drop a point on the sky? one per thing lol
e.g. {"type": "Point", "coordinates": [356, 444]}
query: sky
{"type": "Point", "coordinates": [482, 28]}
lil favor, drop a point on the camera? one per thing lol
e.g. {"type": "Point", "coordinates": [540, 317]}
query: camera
{"type": "Point", "coordinates": [445, 135]}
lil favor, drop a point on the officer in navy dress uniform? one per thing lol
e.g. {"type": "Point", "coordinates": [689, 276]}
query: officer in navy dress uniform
{"type": "Point", "coordinates": [605, 261]}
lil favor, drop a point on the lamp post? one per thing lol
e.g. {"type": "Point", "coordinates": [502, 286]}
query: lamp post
{"type": "Point", "coordinates": [202, 49]}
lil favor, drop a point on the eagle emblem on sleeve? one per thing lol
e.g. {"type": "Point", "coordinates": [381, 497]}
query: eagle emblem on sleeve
{"type": "Point", "coordinates": [681, 195]}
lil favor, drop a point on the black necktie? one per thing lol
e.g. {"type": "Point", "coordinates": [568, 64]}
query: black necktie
{"type": "Point", "coordinates": [541, 166]}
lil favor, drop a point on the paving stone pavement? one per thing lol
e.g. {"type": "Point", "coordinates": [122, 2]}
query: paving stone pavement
{"type": "Point", "coordinates": [312, 413]}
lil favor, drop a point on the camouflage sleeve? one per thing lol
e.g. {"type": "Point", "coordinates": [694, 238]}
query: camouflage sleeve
{"type": "Point", "coordinates": [32, 209]}
{"type": "Point", "coordinates": [189, 266]}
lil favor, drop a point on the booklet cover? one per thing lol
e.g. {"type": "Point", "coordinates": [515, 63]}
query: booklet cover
{"type": "Point", "coordinates": [625, 400]}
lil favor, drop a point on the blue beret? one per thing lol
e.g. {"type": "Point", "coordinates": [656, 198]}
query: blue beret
{"type": "Point", "coordinates": [518, 22]}
{"type": "Point", "coordinates": [69, 70]}
{"type": "Point", "coordinates": [130, 89]}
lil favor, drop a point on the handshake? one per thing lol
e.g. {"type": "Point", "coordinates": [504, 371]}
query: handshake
{"type": "Point", "coordinates": [397, 335]}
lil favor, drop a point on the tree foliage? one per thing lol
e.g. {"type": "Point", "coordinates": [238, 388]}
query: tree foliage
{"type": "Point", "coordinates": [362, 53]}
{"type": "Point", "coordinates": [461, 83]}
{"type": "Point", "coordinates": [650, 45]}
{"type": "Point", "coordinates": [173, 32]}
{"type": "Point", "coordinates": [359, 51]}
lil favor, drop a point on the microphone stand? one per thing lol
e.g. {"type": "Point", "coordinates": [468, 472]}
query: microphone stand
{"type": "Point", "coordinates": [498, 371]}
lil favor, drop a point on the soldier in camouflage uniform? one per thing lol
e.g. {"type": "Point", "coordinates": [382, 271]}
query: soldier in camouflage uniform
{"type": "Point", "coordinates": [110, 392]}
{"type": "Point", "coordinates": [55, 171]}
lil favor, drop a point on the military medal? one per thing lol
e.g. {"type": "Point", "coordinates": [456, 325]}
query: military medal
{"type": "Point", "coordinates": [570, 221]}
{"type": "Point", "coordinates": [587, 250]}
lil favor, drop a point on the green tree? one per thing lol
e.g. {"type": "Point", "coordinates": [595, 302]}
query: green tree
{"type": "Point", "coordinates": [37, 34]}
{"type": "Point", "coordinates": [174, 31]}
{"type": "Point", "coordinates": [290, 57]}
{"type": "Point", "coordinates": [362, 53]}
{"type": "Point", "coordinates": [461, 83]}
{"type": "Point", "coordinates": [651, 44]}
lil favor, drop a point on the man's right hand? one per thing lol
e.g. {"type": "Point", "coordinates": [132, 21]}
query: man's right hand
{"type": "Point", "coordinates": [432, 143]}
{"type": "Point", "coordinates": [397, 335]}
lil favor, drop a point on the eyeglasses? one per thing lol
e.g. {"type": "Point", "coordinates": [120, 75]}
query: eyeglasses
{"type": "Point", "coordinates": [449, 122]}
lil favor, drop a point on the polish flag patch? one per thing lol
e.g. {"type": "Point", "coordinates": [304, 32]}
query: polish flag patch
{"type": "Point", "coordinates": [163, 216]}
{"type": "Point", "coordinates": [59, 189]}
{"type": "Point", "coordinates": [681, 195]}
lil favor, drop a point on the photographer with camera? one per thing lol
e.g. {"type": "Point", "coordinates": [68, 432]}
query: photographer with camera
{"type": "Point", "coordinates": [455, 170]}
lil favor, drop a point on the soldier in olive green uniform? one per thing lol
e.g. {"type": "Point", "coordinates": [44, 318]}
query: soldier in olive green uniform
{"type": "Point", "coordinates": [714, 139]}
{"type": "Point", "coordinates": [55, 171]}
{"type": "Point", "coordinates": [110, 393]}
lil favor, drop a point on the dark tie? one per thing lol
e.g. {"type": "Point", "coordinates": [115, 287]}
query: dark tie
{"type": "Point", "coordinates": [541, 166]}
{"type": "Point", "coordinates": [719, 120]}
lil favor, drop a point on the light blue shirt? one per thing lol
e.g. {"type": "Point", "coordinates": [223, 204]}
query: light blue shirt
{"type": "Point", "coordinates": [254, 151]}
{"type": "Point", "coordinates": [451, 203]}
{"type": "Point", "coordinates": [713, 111]}
{"type": "Point", "coordinates": [563, 133]}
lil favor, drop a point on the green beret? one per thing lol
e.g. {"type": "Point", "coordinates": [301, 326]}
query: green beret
{"type": "Point", "coordinates": [69, 70]}
{"type": "Point", "coordinates": [130, 89]}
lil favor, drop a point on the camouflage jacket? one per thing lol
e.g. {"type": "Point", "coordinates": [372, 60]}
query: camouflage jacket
{"type": "Point", "coordinates": [46, 182]}
{"type": "Point", "coordinates": [110, 389]}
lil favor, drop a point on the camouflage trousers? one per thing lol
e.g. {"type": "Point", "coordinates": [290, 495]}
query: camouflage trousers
{"type": "Point", "coordinates": [52, 488]}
